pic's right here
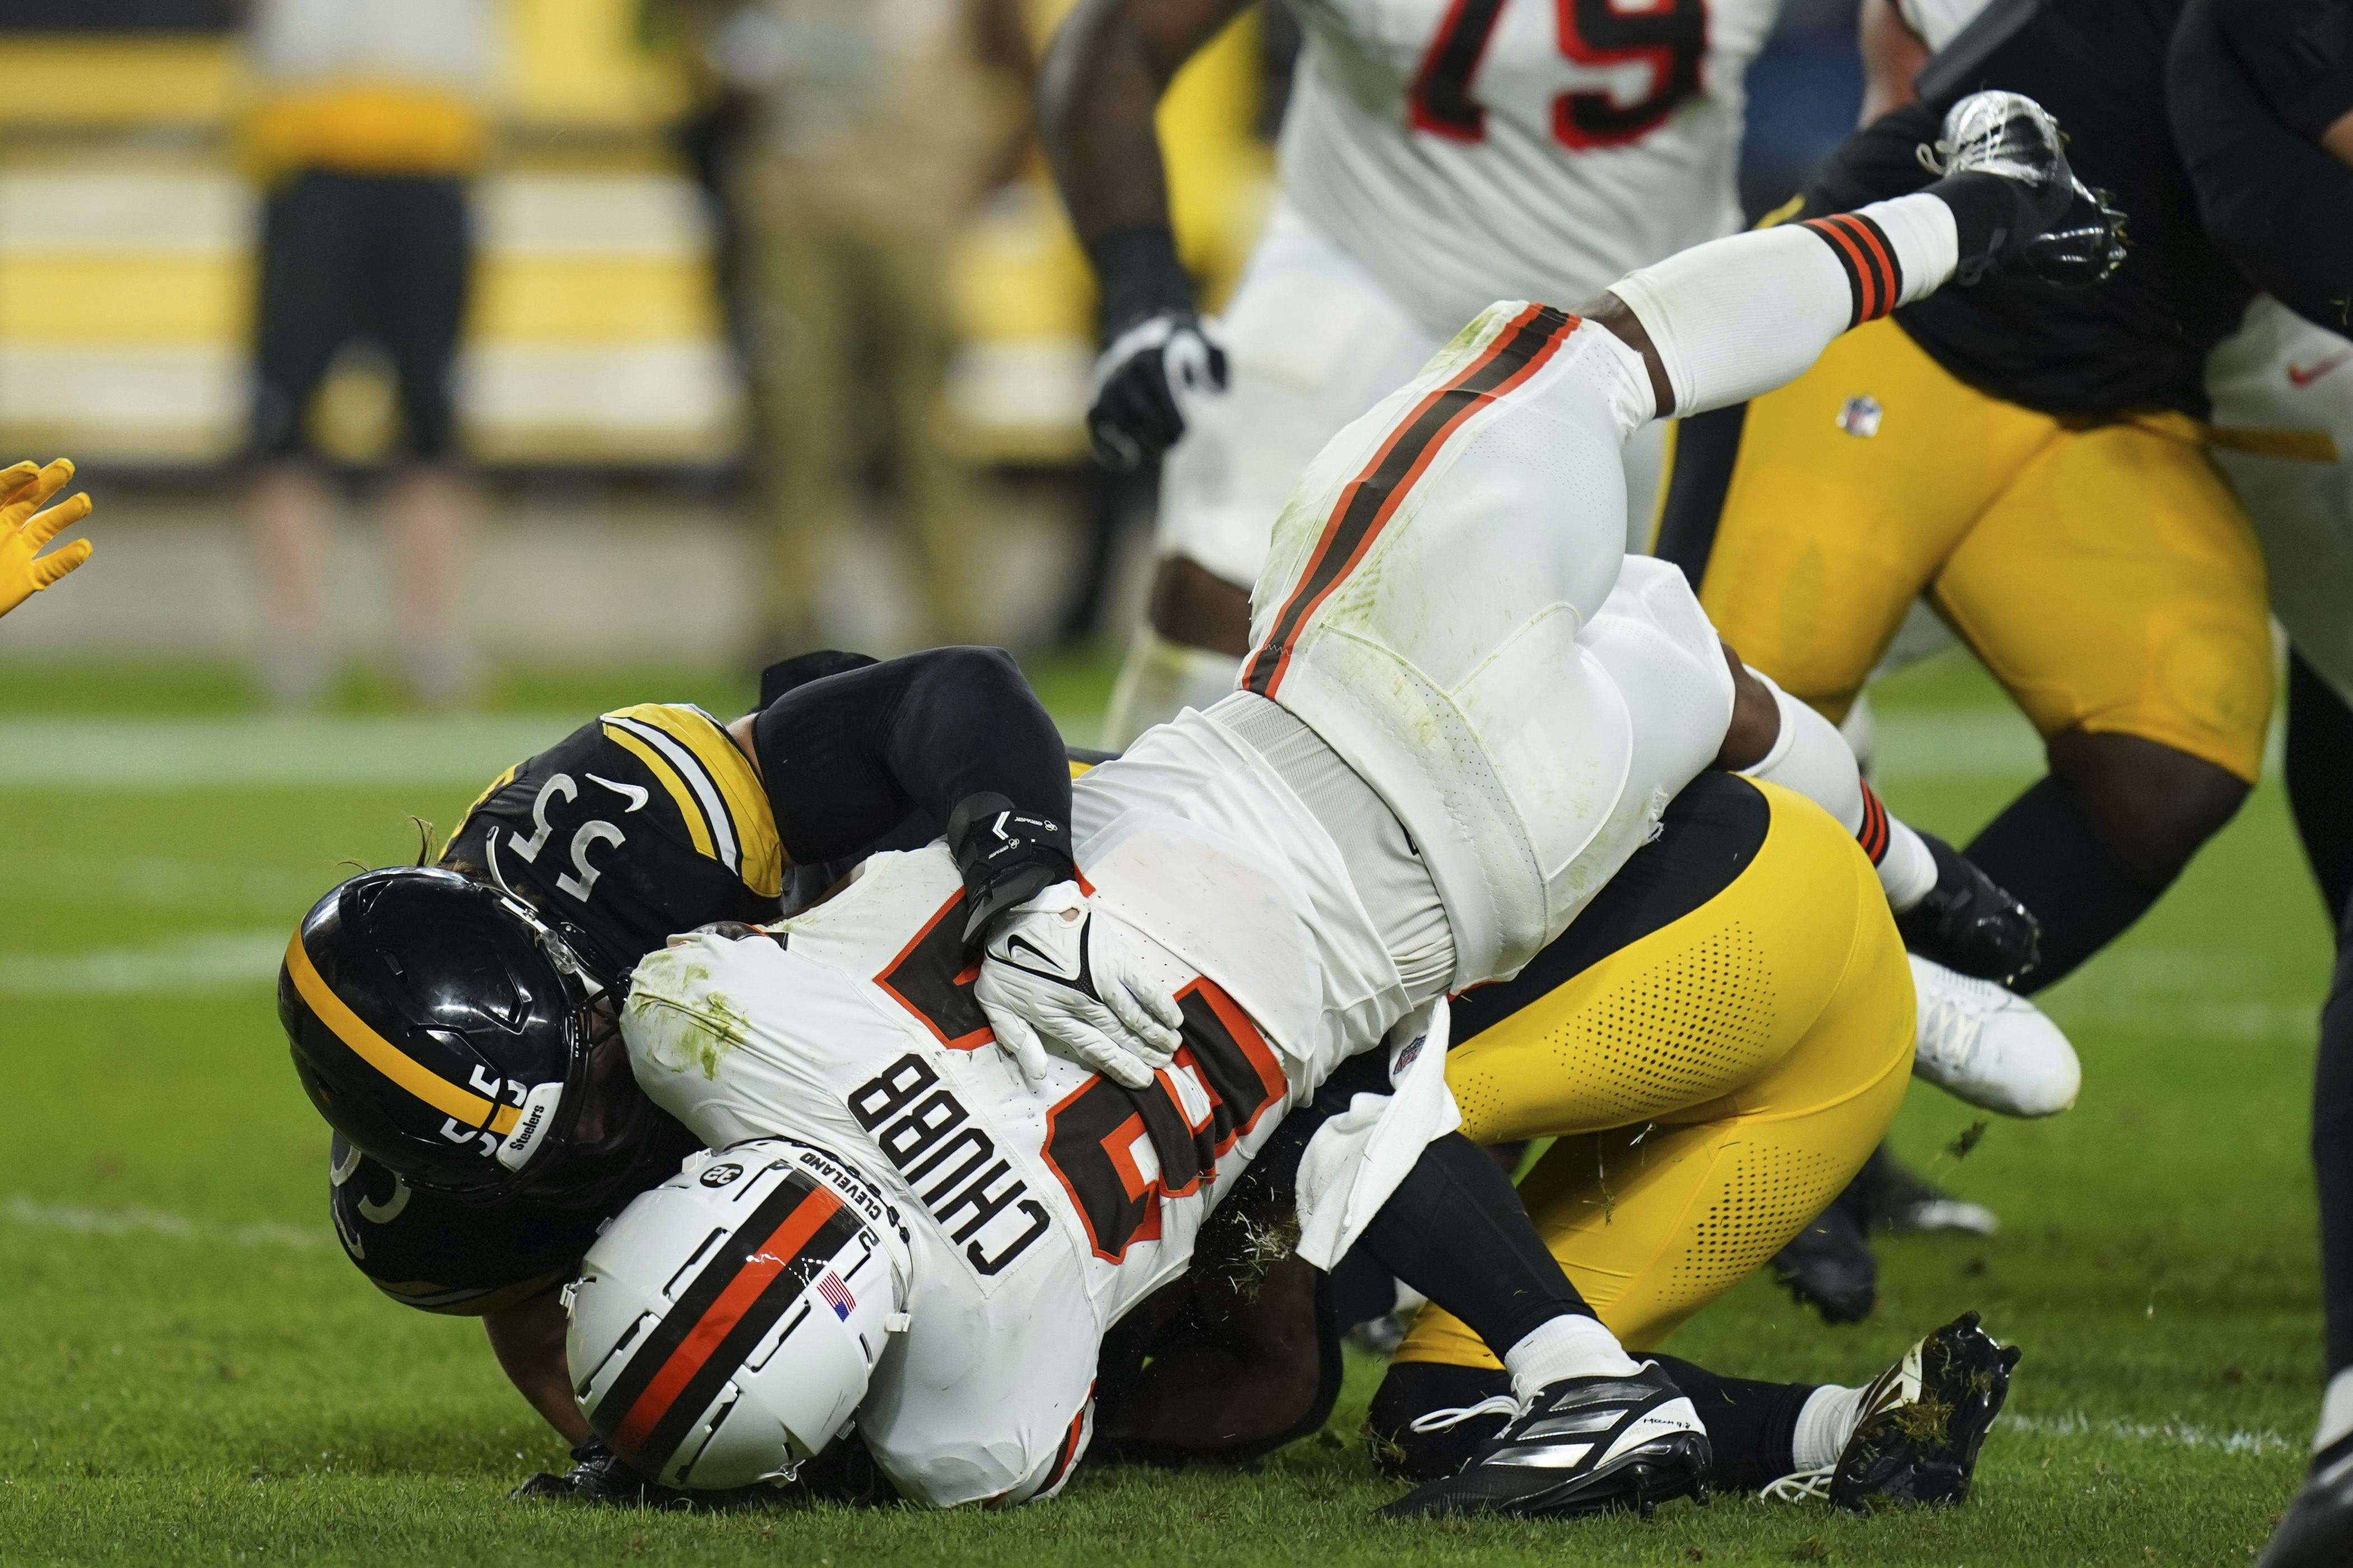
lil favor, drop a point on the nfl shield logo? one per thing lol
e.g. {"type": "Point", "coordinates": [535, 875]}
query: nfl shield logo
{"type": "Point", "coordinates": [1860, 417]}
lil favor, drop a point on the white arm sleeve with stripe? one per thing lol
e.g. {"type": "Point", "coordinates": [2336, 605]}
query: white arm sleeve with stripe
{"type": "Point", "coordinates": [1738, 316]}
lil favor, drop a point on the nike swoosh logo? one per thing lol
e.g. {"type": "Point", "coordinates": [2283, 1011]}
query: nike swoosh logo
{"type": "Point", "coordinates": [636, 794]}
{"type": "Point", "coordinates": [1018, 944]}
{"type": "Point", "coordinates": [2300, 375]}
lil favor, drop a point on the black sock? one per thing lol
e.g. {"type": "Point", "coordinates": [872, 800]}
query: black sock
{"type": "Point", "coordinates": [1752, 1427]}
{"type": "Point", "coordinates": [2319, 768]}
{"type": "Point", "coordinates": [1455, 1231]}
{"type": "Point", "coordinates": [2332, 1156]}
{"type": "Point", "coordinates": [2046, 852]}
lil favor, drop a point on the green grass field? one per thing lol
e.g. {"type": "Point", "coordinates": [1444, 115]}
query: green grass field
{"type": "Point", "coordinates": [192, 1372]}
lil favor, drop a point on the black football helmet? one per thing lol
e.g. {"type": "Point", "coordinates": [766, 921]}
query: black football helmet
{"type": "Point", "coordinates": [448, 1031]}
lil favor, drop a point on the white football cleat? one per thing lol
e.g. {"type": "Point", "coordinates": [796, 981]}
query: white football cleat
{"type": "Point", "coordinates": [1990, 1047]}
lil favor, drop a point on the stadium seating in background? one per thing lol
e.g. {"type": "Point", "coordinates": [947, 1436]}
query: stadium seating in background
{"type": "Point", "coordinates": [126, 228]}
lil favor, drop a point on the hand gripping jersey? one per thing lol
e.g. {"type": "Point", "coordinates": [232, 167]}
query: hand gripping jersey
{"type": "Point", "coordinates": [1037, 1219]}
{"type": "Point", "coordinates": [1468, 151]}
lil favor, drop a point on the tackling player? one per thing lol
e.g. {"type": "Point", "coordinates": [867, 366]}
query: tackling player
{"type": "Point", "coordinates": [650, 820]}
{"type": "Point", "coordinates": [25, 487]}
{"type": "Point", "coordinates": [1465, 709]}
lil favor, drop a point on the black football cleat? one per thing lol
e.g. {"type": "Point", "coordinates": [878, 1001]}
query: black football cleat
{"type": "Point", "coordinates": [1429, 1419]}
{"type": "Point", "coordinates": [1969, 923]}
{"type": "Point", "coordinates": [2317, 1529]}
{"type": "Point", "coordinates": [1828, 1266]}
{"type": "Point", "coordinates": [1923, 1421]}
{"type": "Point", "coordinates": [1584, 1444]}
{"type": "Point", "coordinates": [1902, 1202]}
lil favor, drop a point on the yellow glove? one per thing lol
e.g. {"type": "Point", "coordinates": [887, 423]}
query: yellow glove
{"type": "Point", "coordinates": [23, 531]}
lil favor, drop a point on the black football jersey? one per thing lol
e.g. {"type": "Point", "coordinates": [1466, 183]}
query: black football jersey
{"type": "Point", "coordinates": [646, 823]}
{"type": "Point", "coordinates": [2139, 340]}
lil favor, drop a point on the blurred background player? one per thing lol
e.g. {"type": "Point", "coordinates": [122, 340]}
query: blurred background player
{"type": "Point", "coordinates": [871, 132]}
{"type": "Point", "coordinates": [1434, 157]}
{"type": "Point", "coordinates": [2262, 102]}
{"type": "Point", "coordinates": [24, 529]}
{"type": "Point", "coordinates": [373, 118]}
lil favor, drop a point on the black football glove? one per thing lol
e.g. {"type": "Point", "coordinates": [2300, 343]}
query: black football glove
{"type": "Point", "coordinates": [2084, 246]}
{"type": "Point", "coordinates": [2006, 178]}
{"type": "Point", "coordinates": [1135, 416]}
{"type": "Point", "coordinates": [1158, 344]}
{"type": "Point", "coordinates": [844, 1473]}
{"type": "Point", "coordinates": [600, 1476]}
{"type": "Point", "coordinates": [1968, 923]}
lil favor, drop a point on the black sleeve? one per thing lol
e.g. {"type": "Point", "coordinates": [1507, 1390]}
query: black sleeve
{"type": "Point", "coordinates": [954, 734]}
{"type": "Point", "coordinates": [2275, 202]}
{"type": "Point", "coordinates": [2297, 53]}
{"type": "Point", "coordinates": [1878, 162]}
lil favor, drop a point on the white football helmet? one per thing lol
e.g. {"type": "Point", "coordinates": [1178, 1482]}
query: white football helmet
{"type": "Point", "coordinates": [726, 1325]}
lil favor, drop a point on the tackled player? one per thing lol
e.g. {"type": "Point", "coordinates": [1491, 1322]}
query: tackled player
{"type": "Point", "coordinates": [1465, 711]}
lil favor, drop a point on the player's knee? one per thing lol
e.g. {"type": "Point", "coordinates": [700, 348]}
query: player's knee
{"type": "Point", "coordinates": [2152, 804]}
{"type": "Point", "coordinates": [1193, 605]}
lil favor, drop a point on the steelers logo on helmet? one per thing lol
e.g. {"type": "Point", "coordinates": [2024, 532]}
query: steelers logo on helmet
{"type": "Point", "coordinates": [724, 1336]}
{"type": "Point", "coordinates": [439, 1025]}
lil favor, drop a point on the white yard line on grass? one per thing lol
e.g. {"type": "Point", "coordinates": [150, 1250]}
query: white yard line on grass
{"type": "Point", "coordinates": [2182, 1433]}
{"type": "Point", "coordinates": [391, 752]}
{"type": "Point", "coordinates": [204, 960]}
{"type": "Point", "coordinates": [25, 1211]}
{"type": "Point", "coordinates": [187, 754]}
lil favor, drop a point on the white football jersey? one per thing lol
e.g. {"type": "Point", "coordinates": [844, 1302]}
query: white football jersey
{"type": "Point", "coordinates": [1469, 150]}
{"type": "Point", "coordinates": [1036, 1218]}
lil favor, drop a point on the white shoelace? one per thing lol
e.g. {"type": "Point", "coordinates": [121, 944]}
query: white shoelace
{"type": "Point", "coordinates": [1801, 1486]}
{"type": "Point", "coordinates": [1501, 1405]}
{"type": "Point", "coordinates": [1951, 1023]}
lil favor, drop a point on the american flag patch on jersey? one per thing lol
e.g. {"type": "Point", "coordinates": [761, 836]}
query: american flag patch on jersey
{"type": "Point", "coordinates": [837, 1294]}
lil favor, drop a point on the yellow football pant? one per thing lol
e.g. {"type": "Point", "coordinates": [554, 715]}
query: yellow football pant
{"type": "Point", "coordinates": [1712, 1085]}
{"type": "Point", "coordinates": [2104, 572]}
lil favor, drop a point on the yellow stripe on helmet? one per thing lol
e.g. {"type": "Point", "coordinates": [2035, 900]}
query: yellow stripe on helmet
{"type": "Point", "coordinates": [462, 1105]}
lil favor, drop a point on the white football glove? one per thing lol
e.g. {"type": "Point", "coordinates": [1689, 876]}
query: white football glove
{"type": "Point", "coordinates": [1050, 968]}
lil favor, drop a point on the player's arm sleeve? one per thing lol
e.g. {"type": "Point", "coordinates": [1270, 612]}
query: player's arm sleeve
{"type": "Point", "coordinates": [952, 734]}
{"type": "Point", "coordinates": [2245, 114]}
{"type": "Point", "coordinates": [1875, 163]}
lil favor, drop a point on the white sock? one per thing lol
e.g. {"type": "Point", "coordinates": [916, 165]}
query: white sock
{"type": "Point", "coordinates": [1908, 871]}
{"type": "Point", "coordinates": [2336, 1411]}
{"type": "Point", "coordinates": [1811, 756]}
{"type": "Point", "coordinates": [1824, 1425]}
{"type": "Point", "coordinates": [1160, 679]}
{"type": "Point", "coordinates": [1571, 1345]}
